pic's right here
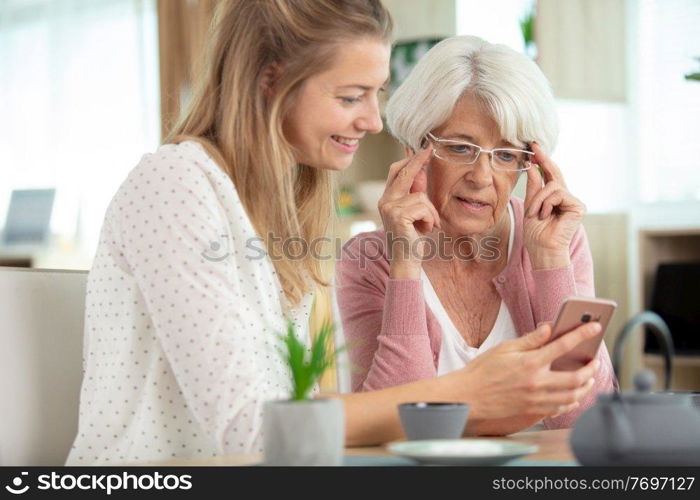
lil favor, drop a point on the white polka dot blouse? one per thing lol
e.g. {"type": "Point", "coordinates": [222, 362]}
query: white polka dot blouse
{"type": "Point", "coordinates": [182, 313]}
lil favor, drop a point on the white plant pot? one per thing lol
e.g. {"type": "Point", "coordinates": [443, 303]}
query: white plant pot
{"type": "Point", "coordinates": [304, 432]}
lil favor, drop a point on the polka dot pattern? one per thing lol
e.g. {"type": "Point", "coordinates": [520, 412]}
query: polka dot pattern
{"type": "Point", "coordinates": [180, 323]}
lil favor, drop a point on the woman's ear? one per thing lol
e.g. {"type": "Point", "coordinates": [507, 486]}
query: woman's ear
{"type": "Point", "coordinates": [269, 78]}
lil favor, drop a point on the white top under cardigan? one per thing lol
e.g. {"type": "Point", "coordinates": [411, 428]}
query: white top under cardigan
{"type": "Point", "coordinates": [180, 319]}
{"type": "Point", "coordinates": [455, 353]}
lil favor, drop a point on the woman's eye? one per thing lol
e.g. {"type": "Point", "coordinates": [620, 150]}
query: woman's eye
{"type": "Point", "coordinates": [506, 156]}
{"type": "Point", "coordinates": [350, 100]}
{"type": "Point", "coordinates": [461, 149]}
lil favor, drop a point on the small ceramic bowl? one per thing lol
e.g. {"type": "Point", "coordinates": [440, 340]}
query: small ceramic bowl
{"type": "Point", "coordinates": [433, 420]}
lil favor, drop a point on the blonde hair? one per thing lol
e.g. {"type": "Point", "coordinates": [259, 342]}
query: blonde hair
{"type": "Point", "coordinates": [511, 85]}
{"type": "Point", "coordinates": [238, 118]}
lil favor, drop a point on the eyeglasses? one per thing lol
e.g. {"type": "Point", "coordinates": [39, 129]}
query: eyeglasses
{"type": "Point", "coordinates": [465, 153]}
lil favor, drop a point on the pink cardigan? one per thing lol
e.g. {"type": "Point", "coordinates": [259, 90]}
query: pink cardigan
{"type": "Point", "coordinates": [394, 338]}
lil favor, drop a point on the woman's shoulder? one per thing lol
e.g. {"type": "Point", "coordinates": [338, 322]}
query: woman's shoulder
{"type": "Point", "coordinates": [184, 163]}
{"type": "Point", "coordinates": [177, 181]}
{"type": "Point", "coordinates": [182, 172]}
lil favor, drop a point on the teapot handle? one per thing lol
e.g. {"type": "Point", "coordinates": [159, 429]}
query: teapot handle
{"type": "Point", "coordinates": [663, 335]}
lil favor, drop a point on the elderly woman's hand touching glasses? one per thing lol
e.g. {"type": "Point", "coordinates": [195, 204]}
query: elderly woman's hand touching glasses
{"type": "Point", "coordinates": [407, 213]}
{"type": "Point", "coordinates": [552, 215]}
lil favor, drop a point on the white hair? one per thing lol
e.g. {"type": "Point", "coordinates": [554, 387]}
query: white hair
{"type": "Point", "coordinates": [513, 88]}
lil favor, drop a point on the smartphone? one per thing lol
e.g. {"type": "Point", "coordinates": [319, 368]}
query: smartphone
{"type": "Point", "coordinates": [574, 312]}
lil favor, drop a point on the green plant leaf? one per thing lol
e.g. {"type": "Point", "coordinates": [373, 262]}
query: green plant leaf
{"type": "Point", "coordinates": [527, 26]}
{"type": "Point", "coordinates": [306, 367]}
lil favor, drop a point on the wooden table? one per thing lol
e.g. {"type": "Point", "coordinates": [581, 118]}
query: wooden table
{"type": "Point", "coordinates": [554, 447]}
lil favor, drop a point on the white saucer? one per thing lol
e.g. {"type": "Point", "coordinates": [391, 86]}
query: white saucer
{"type": "Point", "coordinates": [462, 451]}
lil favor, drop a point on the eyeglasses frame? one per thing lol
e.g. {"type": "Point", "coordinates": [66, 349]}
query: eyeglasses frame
{"type": "Point", "coordinates": [480, 150]}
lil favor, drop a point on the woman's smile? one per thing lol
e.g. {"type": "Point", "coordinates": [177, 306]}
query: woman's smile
{"type": "Point", "coordinates": [346, 144]}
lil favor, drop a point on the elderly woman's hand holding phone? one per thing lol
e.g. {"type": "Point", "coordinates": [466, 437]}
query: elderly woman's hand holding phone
{"type": "Point", "coordinates": [523, 366]}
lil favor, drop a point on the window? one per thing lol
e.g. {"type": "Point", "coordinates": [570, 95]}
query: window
{"type": "Point", "coordinates": [79, 102]}
{"type": "Point", "coordinates": [669, 105]}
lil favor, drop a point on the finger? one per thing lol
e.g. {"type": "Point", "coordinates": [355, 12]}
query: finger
{"type": "Point", "coordinates": [533, 340]}
{"type": "Point", "coordinates": [542, 194]}
{"type": "Point", "coordinates": [565, 409]}
{"type": "Point", "coordinates": [394, 170]}
{"type": "Point", "coordinates": [551, 410]}
{"type": "Point", "coordinates": [565, 202]}
{"type": "Point", "coordinates": [534, 185]}
{"type": "Point", "coordinates": [556, 199]}
{"type": "Point", "coordinates": [436, 215]}
{"type": "Point", "coordinates": [420, 214]}
{"type": "Point", "coordinates": [420, 182]}
{"type": "Point", "coordinates": [412, 200]}
{"type": "Point", "coordinates": [559, 381]}
{"type": "Point", "coordinates": [404, 177]}
{"type": "Point", "coordinates": [421, 198]}
{"type": "Point", "coordinates": [398, 166]}
{"type": "Point", "coordinates": [568, 341]}
{"type": "Point", "coordinates": [551, 171]}
{"type": "Point", "coordinates": [424, 227]}
{"type": "Point", "coordinates": [556, 399]}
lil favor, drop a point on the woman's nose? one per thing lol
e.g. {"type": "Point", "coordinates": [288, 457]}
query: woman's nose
{"type": "Point", "coordinates": [371, 119]}
{"type": "Point", "coordinates": [481, 173]}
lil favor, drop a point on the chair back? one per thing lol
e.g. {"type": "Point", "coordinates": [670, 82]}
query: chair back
{"type": "Point", "coordinates": [41, 334]}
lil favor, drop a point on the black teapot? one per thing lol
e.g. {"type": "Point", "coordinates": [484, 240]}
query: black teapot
{"type": "Point", "coordinates": [640, 427]}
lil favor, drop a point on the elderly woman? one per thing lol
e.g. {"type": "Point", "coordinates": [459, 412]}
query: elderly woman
{"type": "Point", "coordinates": [462, 265]}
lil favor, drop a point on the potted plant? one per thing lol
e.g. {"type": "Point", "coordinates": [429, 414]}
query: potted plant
{"type": "Point", "coordinates": [304, 430]}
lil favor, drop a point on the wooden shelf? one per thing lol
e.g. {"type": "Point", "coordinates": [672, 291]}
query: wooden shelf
{"type": "Point", "coordinates": [657, 246]}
